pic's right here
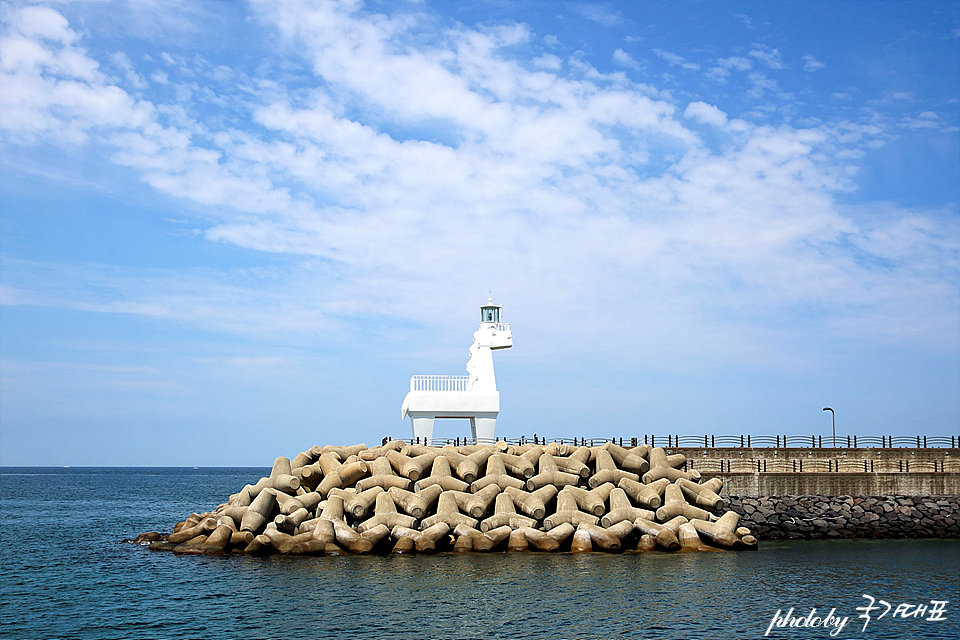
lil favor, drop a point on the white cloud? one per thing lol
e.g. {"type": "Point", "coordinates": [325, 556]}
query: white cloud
{"type": "Point", "coordinates": [810, 63]}
{"type": "Point", "coordinates": [548, 61]}
{"type": "Point", "coordinates": [598, 12]}
{"type": "Point", "coordinates": [905, 96]}
{"type": "Point", "coordinates": [760, 84]}
{"type": "Point", "coordinates": [706, 113]}
{"type": "Point", "coordinates": [924, 120]}
{"type": "Point", "coordinates": [623, 59]}
{"type": "Point", "coordinates": [726, 65]}
{"type": "Point", "coordinates": [769, 57]}
{"type": "Point", "coordinates": [676, 60]}
{"type": "Point", "coordinates": [52, 87]}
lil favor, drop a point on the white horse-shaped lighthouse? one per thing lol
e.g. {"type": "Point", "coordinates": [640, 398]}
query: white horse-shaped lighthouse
{"type": "Point", "coordinates": [473, 396]}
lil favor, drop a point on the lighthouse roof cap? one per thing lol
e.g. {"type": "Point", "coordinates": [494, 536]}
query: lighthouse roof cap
{"type": "Point", "coordinates": [490, 303]}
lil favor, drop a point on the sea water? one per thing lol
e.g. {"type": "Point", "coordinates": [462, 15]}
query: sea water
{"type": "Point", "coordinates": [67, 574]}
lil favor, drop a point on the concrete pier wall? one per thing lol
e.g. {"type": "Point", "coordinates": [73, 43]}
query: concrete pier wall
{"type": "Point", "coordinates": [829, 472]}
{"type": "Point", "coordinates": [839, 484]}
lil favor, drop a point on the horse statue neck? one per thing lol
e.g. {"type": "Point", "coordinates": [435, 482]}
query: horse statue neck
{"type": "Point", "coordinates": [480, 368]}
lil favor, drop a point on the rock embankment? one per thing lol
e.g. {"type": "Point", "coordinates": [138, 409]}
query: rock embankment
{"type": "Point", "coordinates": [795, 517]}
{"type": "Point", "coordinates": [404, 498]}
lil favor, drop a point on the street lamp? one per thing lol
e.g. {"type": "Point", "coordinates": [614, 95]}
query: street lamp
{"type": "Point", "coordinates": [833, 416]}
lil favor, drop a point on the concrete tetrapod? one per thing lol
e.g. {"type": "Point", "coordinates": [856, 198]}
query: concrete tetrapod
{"type": "Point", "coordinates": [567, 511]}
{"type": "Point", "coordinates": [378, 452]}
{"type": "Point", "coordinates": [308, 501]}
{"type": "Point", "coordinates": [505, 513]}
{"type": "Point", "coordinates": [302, 459]}
{"type": "Point", "coordinates": [260, 510]}
{"type": "Point", "coordinates": [539, 539]}
{"type": "Point", "coordinates": [499, 535]}
{"type": "Point", "coordinates": [324, 531]}
{"type": "Point", "coordinates": [283, 482]}
{"type": "Point", "coordinates": [329, 462]}
{"type": "Point", "coordinates": [429, 537]}
{"type": "Point", "coordinates": [344, 452]}
{"type": "Point", "coordinates": [203, 527]}
{"type": "Point", "coordinates": [665, 538]}
{"type": "Point", "coordinates": [607, 471]}
{"type": "Point", "coordinates": [572, 465]}
{"type": "Point", "coordinates": [330, 482]}
{"type": "Point", "coordinates": [592, 501]}
{"type": "Point", "coordinates": [521, 467]}
{"type": "Point", "coordinates": [673, 524]}
{"type": "Point", "coordinates": [700, 495]}
{"type": "Point", "coordinates": [719, 533]}
{"type": "Point", "coordinates": [531, 504]}
{"type": "Point", "coordinates": [646, 542]}
{"type": "Point", "coordinates": [621, 509]}
{"type": "Point", "coordinates": [440, 475]}
{"type": "Point", "coordinates": [582, 541]}
{"type": "Point", "coordinates": [310, 476]}
{"type": "Point", "coordinates": [350, 540]}
{"type": "Point", "coordinates": [517, 541]}
{"type": "Point", "coordinates": [675, 504]}
{"type": "Point", "coordinates": [376, 534]}
{"type": "Point", "coordinates": [448, 513]}
{"type": "Point", "coordinates": [404, 545]}
{"type": "Point", "coordinates": [550, 474]}
{"type": "Point", "coordinates": [412, 504]}
{"type": "Point", "coordinates": [290, 522]}
{"type": "Point", "coordinates": [562, 532]}
{"type": "Point", "coordinates": [689, 539]}
{"type": "Point", "coordinates": [381, 475]}
{"type": "Point", "coordinates": [480, 542]}
{"type": "Point", "coordinates": [649, 496]}
{"type": "Point", "coordinates": [623, 531]}
{"type": "Point", "coordinates": [601, 537]}
{"type": "Point", "coordinates": [411, 468]}
{"type": "Point", "coordinates": [385, 512]}
{"type": "Point", "coordinates": [332, 508]}
{"type": "Point", "coordinates": [467, 467]}
{"type": "Point", "coordinates": [479, 502]}
{"type": "Point", "coordinates": [497, 474]}
{"type": "Point", "coordinates": [358, 503]}
{"type": "Point", "coordinates": [626, 460]}
{"type": "Point", "coordinates": [662, 466]}
{"type": "Point", "coordinates": [430, 495]}
{"type": "Point", "coordinates": [193, 546]}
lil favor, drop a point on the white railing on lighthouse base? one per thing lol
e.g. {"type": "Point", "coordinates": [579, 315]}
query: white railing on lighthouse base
{"type": "Point", "coordinates": [440, 383]}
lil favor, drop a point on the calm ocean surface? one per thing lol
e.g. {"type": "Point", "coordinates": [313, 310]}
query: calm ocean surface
{"type": "Point", "coordinates": [66, 574]}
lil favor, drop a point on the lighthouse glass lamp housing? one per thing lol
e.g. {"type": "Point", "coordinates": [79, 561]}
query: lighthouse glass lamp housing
{"type": "Point", "coordinates": [474, 396]}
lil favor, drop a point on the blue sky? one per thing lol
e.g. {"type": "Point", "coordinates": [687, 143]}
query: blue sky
{"type": "Point", "coordinates": [234, 230]}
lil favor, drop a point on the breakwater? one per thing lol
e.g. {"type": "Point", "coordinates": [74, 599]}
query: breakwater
{"type": "Point", "coordinates": [405, 498]}
{"type": "Point", "coordinates": [844, 516]}
{"type": "Point", "coordinates": [886, 491]}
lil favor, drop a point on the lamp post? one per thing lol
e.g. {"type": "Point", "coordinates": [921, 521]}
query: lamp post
{"type": "Point", "coordinates": [833, 417]}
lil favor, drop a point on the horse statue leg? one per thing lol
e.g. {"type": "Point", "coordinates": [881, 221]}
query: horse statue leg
{"type": "Point", "coordinates": [423, 429]}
